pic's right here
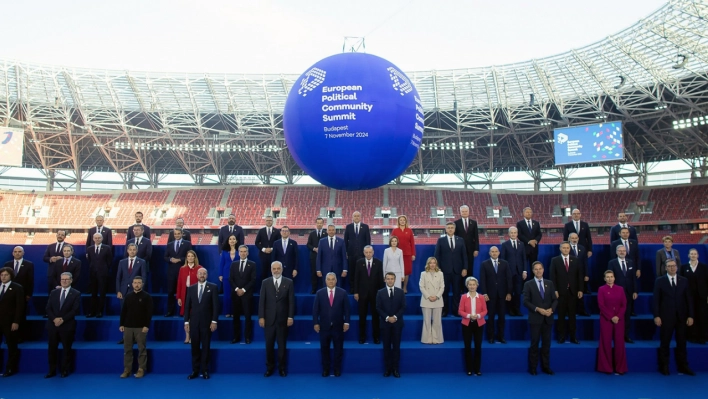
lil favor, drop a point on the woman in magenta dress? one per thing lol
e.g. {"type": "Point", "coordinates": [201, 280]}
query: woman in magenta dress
{"type": "Point", "coordinates": [612, 303]}
{"type": "Point", "coordinates": [406, 242]}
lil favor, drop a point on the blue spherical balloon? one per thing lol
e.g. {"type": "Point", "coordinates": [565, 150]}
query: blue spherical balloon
{"type": "Point", "coordinates": [353, 121]}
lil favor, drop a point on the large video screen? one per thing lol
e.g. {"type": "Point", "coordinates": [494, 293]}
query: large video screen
{"type": "Point", "coordinates": [601, 142]}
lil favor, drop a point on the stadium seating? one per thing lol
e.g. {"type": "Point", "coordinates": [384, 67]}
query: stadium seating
{"type": "Point", "coordinates": [147, 202]}
{"type": "Point", "coordinates": [363, 201]}
{"type": "Point", "coordinates": [15, 208]}
{"type": "Point", "coordinates": [541, 204]}
{"type": "Point", "coordinates": [193, 206]}
{"type": "Point", "coordinates": [249, 204]}
{"type": "Point", "coordinates": [603, 207]}
{"type": "Point", "coordinates": [477, 201]}
{"type": "Point", "coordinates": [677, 203]}
{"type": "Point", "coordinates": [66, 210]}
{"type": "Point", "coordinates": [303, 205]}
{"type": "Point", "coordinates": [413, 203]}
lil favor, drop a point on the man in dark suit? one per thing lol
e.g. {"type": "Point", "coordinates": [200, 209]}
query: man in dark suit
{"type": "Point", "coordinates": [144, 245]}
{"type": "Point", "coordinates": [264, 242]}
{"type": "Point", "coordinates": [390, 305]}
{"type": "Point", "coordinates": [179, 224]}
{"type": "Point", "coordinates": [104, 231]}
{"type": "Point", "coordinates": [276, 309]}
{"type": "Point", "coordinates": [62, 309]}
{"type": "Point", "coordinates": [242, 276]}
{"type": "Point", "coordinates": [697, 275]}
{"type": "Point", "coordinates": [331, 255]}
{"type": "Point", "coordinates": [632, 248]}
{"type": "Point", "coordinates": [201, 314]}
{"type": "Point", "coordinates": [100, 258]}
{"type": "Point", "coordinates": [138, 222]}
{"type": "Point", "coordinates": [623, 268]}
{"type": "Point", "coordinates": [673, 311]}
{"type": "Point", "coordinates": [175, 255]}
{"type": "Point", "coordinates": [369, 280]}
{"type": "Point", "coordinates": [582, 229]}
{"type": "Point", "coordinates": [12, 313]}
{"type": "Point", "coordinates": [581, 253]}
{"type": "Point", "coordinates": [52, 254]}
{"type": "Point", "coordinates": [285, 251]}
{"type": "Point", "coordinates": [467, 229]}
{"type": "Point", "coordinates": [540, 299]}
{"type": "Point", "coordinates": [615, 230]}
{"type": "Point", "coordinates": [128, 268]}
{"type": "Point", "coordinates": [566, 277]}
{"type": "Point", "coordinates": [231, 229]}
{"type": "Point", "coordinates": [495, 284]}
{"type": "Point", "coordinates": [530, 234]}
{"type": "Point", "coordinates": [330, 316]}
{"type": "Point", "coordinates": [24, 272]}
{"type": "Point", "coordinates": [356, 237]}
{"type": "Point", "coordinates": [451, 255]}
{"type": "Point", "coordinates": [514, 254]}
{"type": "Point", "coordinates": [67, 263]}
{"type": "Point", "coordinates": [313, 241]}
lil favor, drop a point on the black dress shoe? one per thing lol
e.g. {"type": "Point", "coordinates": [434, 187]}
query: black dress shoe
{"type": "Point", "coordinates": [387, 373]}
{"type": "Point", "coordinates": [248, 341]}
{"type": "Point", "coordinates": [361, 341]}
{"type": "Point", "coordinates": [561, 340]}
{"type": "Point", "coordinates": [469, 373]}
{"type": "Point", "coordinates": [478, 374]}
{"type": "Point", "coordinates": [683, 370]}
{"type": "Point", "coordinates": [664, 370]}
{"type": "Point", "coordinates": [628, 340]}
{"type": "Point", "coordinates": [377, 341]}
{"type": "Point", "coordinates": [574, 340]}
{"type": "Point", "coordinates": [337, 373]}
{"type": "Point", "coordinates": [584, 314]}
{"type": "Point", "coordinates": [268, 373]}
{"type": "Point", "coordinates": [8, 373]}
{"type": "Point", "coordinates": [283, 373]}
{"type": "Point", "coordinates": [120, 342]}
{"type": "Point", "coordinates": [325, 373]}
{"type": "Point", "coordinates": [235, 341]}
{"type": "Point", "coordinates": [90, 315]}
{"type": "Point", "coordinates": [491, 340]}
{"type": "Point", "coordinates": [548, 371]}
{"type": "Point", "coordinates": [633, 314]}
{"type": "Point", "coordinates": [50, 374]}
{"type": "Point", "coordinates": [99, 315]}
{"type": "Point", "coordinates": [168, 314]}
{"type": "Point", "coordinates": [194, 375]}
{"type": "Point", "coordinates": [205, 375]}
{"type": "Point", "coordinates": [502, 340]}
{"type": "Point", "coordinates": [64, 374]}
{"type": "Point", "coordinates": [396, 374]}
{"type": "Point", "coordinates": [533, 372]}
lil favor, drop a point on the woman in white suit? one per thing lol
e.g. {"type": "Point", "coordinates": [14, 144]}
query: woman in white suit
{"type": "Point", "coordinates": [393, 261]}
{"type": "Point", "coordinates": [432, 286]}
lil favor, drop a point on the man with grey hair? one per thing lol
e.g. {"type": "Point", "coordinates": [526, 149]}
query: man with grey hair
{"type": "Point", "coordinates": [495, 285]}
{"type": "Point", "coordinates": [276, 310]}
{"type": "Point", "coordinates": [466, 228]}
{"type": "Point", "coordinates": [581, 228]}
{"type": "Point", "coordinates": [62, 309]}
{"type": "Point", "coordinates": [513, 252]}
{"type": "Point", "coordinates": [179, 224]}
{"type": "Point", "coordinates": [104, 231]}
{"type": "Point", "coordinates": [356, 237]}
{"type": "Point", "coordinates": [100, 257]}
{"type": "Point", "coordinates": [580, 252]}
{"type": "Point", "coordinates": [530, 234]}
{"type": "Point", "coordinates": [625, 277]}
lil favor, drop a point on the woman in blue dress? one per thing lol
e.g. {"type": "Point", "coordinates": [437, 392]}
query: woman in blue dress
{"type": "Point", "coordinates": [229, 253]}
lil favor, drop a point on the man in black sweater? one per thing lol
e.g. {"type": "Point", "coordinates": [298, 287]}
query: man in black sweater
{"type": "Point", "coordinates": [135, 317]}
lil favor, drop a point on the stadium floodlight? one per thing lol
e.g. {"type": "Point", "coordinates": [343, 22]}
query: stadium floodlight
{"type": "Point", "coordinates": [660, 105]}
{"type": "Point", "coordinates": [689, 122]}
{"type": "Point", "coordinates": [545, 122]}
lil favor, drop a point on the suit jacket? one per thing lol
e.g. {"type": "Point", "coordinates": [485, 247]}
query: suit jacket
{"type": "Point", "coordinates": [465, 309]}
{"type": "Point", "coordinates": [287, 258]}
{"type": "Point", "coordinates": [629, 281]}
{"type": "Point", "coordinates": [470, 237]}
{"type": "Point", "coordinates": [146, 232]}
{"type": "Point", "coordinates": [633, 253]}
{"type": "Point", "coordinates": [431, 284]}
{"type": "Point", "coordinates": [68, 312]}
{"type": "Point", "coordinates": [262, 240]}
{"type": "Point", "coordinates": [186, 235]}
{"type": "Point", "coordinates": [313, 241]}
{"type": "Point", "coordinates": [386, 306]}
{"type": "Point", "coordinates": [525, 235]}
{"type": "Point", "coordinates": [224, 234]}
{"type": "Point", "coordinates": [533, 300]}
{"type": "Point", "coordinates": [355, 243]}
{"type": "Point", "coordinates": [51, 252]}
{"type": "Point", "coordinates": [495, 285]}
{"type": "Point", "coordinates": [124, 280]}
{"type": "Point", "coordinates": [451, 260]}
{"type": "Point", "coordinates": [582, 255]}
{"type": "Point", "coordinates": [57, 268]}
{"type": "Point", "coordinates": [661, 258]}
{"type": "Point", "coordinates": [198, 314]}
{"type": "Point", "coordinates": [571, 278]}
{"type": "Point", "coordinates": [615, 232]}
{"type": "Point", "coordinates": [12, 305]}
{"type": "Point", "coordinates": [331, 260]}
{"type": "Point", "coordinates": [334, 316]}
{"type": "Point", "coordinates": [368, 285]}
{"type": "Point", "coordinates": [584, 237]}
{"type": "Point", "coordinates": [144, 249]}
{"type": "Point", "coordinates": [100, 262]}
{"type": "Point", "coordinates": [25, 277]}
{"type": "Point", "coordinates": [245, 280]}
{"type": "Point", "coordinates": [697, 281]}
{"type": "Point", "coordinates": [105, 232]}
{"type": "Point", "coordinates": [180, 253]}
{"type": "Point", "coordinates": [516, 258]}
{"type": "Point", "coordinates": [672, 304]}
{"type": "Point", "coordinates": [276, 307]}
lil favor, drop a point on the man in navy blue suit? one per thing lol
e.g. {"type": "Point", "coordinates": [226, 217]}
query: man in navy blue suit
{"type": "Point", "coordinates": [580, 252]}
{"type": "Point", "coordinates": [330, 316]}
{"type": "Point", "coordinates": [530, 233]}
{"type": "Point", "coordinates": [100, 258]}
{"type": "Point", "coordinates": [264, 242]}
{"type": "Point", "coordinates": [514, 254]}
{"type": "Point", "coordinates": [452, 257]}
{"type": "Point", "coordinates": [390, 305]}
{"type": "Point", "coordinates": [67, 263]}
{"type": "Point", "coordinates": [175, 254]}
{"type": "Point", "coordinates": [201, 314]}
{"type": "Point", "coordinates": [285, 251]}
{"type": "Point", "coordinates": [231, 229]}
{"type": "Point", "coordinates": [581, 228]}
{"type": "Point", "coordinates": [623, 268]}
{"type": "Point", "coordinates": [138, 222]}
{"type": "Point", "coordinates": [495, 284]}
{"type": "Point", "coordinates": [615, 230]}
{"type": "Point", "coordinates": [632, 247]}
{"type": "Point", "coordinates": [356, 237]}
{"type": "Point", "coordinates": [332, 255]}
{"type": "Point", "coordinates": [673, 311]}
{"type": "Point", "coordinates": [62, 309]}
{"type": "Point", "coordinates": [144, 244]}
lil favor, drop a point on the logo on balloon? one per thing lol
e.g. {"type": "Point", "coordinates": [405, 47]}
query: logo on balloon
{"type": "Point", "coordinates": [355, 121]}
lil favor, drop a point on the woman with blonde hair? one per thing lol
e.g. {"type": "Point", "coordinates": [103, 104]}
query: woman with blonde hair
{"type": "Point", "coordinates": [187, 277]}
{"type": "Point", "coordinates": [432, 285]}
{"type": "Point", "coordinates": [406, 243]}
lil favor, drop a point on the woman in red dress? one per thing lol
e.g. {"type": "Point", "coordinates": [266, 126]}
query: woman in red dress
{"type": "Point", "coordinates": [187, 277]}
{"type": "Point", "coordinates": [406, 243]}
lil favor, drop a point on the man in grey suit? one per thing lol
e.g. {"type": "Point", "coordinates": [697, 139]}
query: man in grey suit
{"type": "Point", "coordinates": [541, 301]}
{"type": "Point", "coordinates": [276, 309]}
{"type": "Point", "coordinates": [452, 257]}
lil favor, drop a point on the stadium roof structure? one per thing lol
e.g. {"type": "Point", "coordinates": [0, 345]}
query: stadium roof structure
{"type": "Point", "coordinates": [478, 121]}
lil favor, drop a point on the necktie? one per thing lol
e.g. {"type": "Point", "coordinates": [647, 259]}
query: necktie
{"type": "Point", "coordinates": [97, 250]}
{"type": "Point", "coordinates": [566, 264]}
{"type": "Point", "coordinates": [242, 266]}
{"type": "Point", "coordinates": [63, 297]}
{"type": "Point", "coordinates": [624, 268]}
{"type": "Point", "coordinates": [575, 250]}
{"type": "Point", "coordinates": [276, 286]}
{"type": "Point", "coordinates": [319, 233]}
{"type": "Point", "coordinates": [368, 268]}
{"type": "Point", "coordinates": [331, 243]}
{"type": "Point", "coordinates": [465, 225]}
{"type": "Point", "coordinates": [66, 263]}
{"type": "Point", "coordinates": [137, 242]}
{"type": "Point", "coordinates": [495, 267]}
{"type": "Point", "coordinates": [673, 283]}
{"type": "Point", "coordinates": [231, 229]}
{"type": "Point", "coordinates": [201, 291]}
{"type": "Point", "coordinates": [540, 288]}
{"type": "Point", "coordinates": [17, 267]}
{"type": "Point", "coordinates": [626, 246]}
{"type": "Point", "coordinates": [269, 234]}
{"type": "Point", "coordinates": [58, 247]}
{"type": "Point", "coordinates": [390, 295]}
{"type": "Point", "coordinates": [452, 244]}
{"type": "Point", "coordinates": [513, 243]}
{"type": "Point", "coordinates": [529, 223]}
{"type": "Point", "coordinates": [356, 229]}
{"type": "Point", "coordinates": [331, 297]}
{"type": "Point", "coordinates": [130, 267]}
{"type": "Point", "coordinates": [285, 245]}
{"type": "Point", "coordinates": [577, 227]}
{"type": "Point", "coordinates": [2, 293]}
{"type": "Point", "coordinates": [176, 245]}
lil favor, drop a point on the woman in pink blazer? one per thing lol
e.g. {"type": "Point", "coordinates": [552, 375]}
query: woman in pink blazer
{"type": "Point", "coordinates": [472, 310]}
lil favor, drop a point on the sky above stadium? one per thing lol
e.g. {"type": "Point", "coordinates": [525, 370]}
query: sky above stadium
{"type": "Point", "coordinates": [288, 36]}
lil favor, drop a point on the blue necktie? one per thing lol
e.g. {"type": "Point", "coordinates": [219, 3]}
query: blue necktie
{"type": "Point", "coordinates": [63, 297]}
{"type": "Point", "coordinates": [540, 288]}
{"type": "Point", "coordinates": [201, 291]}
{"type": "Point", "coordinates": [495, 267]}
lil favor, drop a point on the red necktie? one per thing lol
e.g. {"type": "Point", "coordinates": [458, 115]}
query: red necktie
{"type": "Point", "coordinates": [566, 264]}
{"type": "Point", "coordinates": [66, 263]}
{"type": "Point", "coordinates": [331, 297]}
{"type": "Point", "coordinates": [130, 267]}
